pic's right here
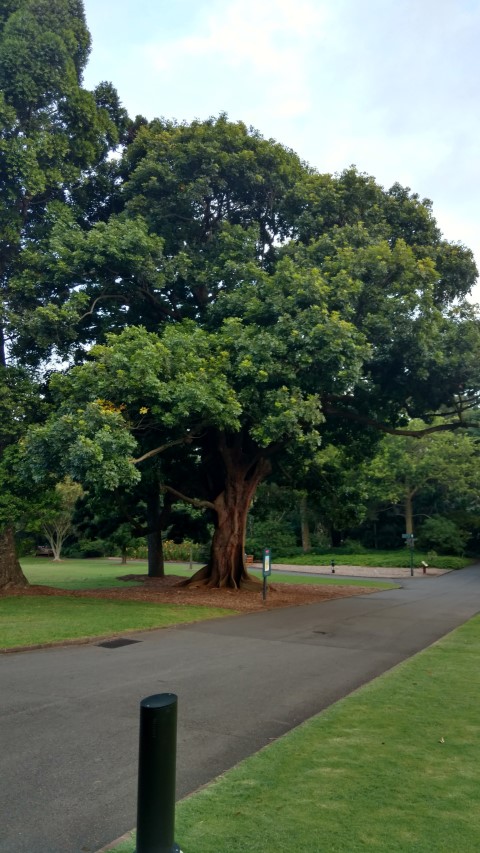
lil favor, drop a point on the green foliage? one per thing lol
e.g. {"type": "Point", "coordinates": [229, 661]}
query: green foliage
{"type": "Point", "coordinates": [174, 551]}
{"type": "Point", "coordinates": [279, 537]}
{"type": "Point", "coordinates": [388, 559]}
{"type": "Point", "coordinates": [442, 534]}
{"type": "Point", "coordinates": [52, 132]}
{"type": "Point", "coordinates": [89, 444]}
{"type": "Point", "coordinates": [404, 464]}
{"type": "Point", "coordinates": [240, 305]}
{"type": "Point", "coordinates": [182, 551]}
{"type": "Point", "coordinates": [87, 549]}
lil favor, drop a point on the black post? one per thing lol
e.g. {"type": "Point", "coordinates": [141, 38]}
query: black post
{"type": "Point", "coordinates": [156, 774]}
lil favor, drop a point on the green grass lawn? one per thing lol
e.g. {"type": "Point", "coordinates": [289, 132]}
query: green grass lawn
{"type": "Point", "coordinates": [80, 574]}
{"type": "Point", "coordinates": [388, 559]}
{"type": "Point", "coordinates": [28, 620]}
{"type": "Point", "coordinates": [101, 574]}
{"type": "Point", "coordinates": [393, 768]}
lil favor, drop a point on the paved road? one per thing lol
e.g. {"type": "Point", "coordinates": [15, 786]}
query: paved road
{"type": "Point", "coordinates": [69, 717]}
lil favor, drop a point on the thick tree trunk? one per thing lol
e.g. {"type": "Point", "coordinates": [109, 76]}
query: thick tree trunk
{"type": "Point", "coordinates": [156, 565]}
{"type": "Point", "coordinates": [158, 513]}
{"type": "Point", "coordinates": [227, 565]}
{"type": "Point", "coordinates": [10, 571]}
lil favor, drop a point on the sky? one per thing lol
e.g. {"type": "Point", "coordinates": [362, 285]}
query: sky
{"type": "Point", "coordinates": [389, 85]}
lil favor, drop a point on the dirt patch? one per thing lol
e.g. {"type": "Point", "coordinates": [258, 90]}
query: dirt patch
{"type": "Point", "coordinates": [167, 591]}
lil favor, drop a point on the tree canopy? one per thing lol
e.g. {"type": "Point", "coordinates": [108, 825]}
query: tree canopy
{"type": "Point", "coordinates": [229, 308]}
{"type": "Point", "coordinates": [52, 131]}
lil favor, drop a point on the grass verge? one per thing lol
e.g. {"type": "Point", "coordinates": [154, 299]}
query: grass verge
{"type": "Point", "coordinates": [395, 767]}
{"type": "Point", "coordinates": [81, 574]}
{"type": "Point", "coordinates": [32, 620]}
{"type": "Point", "coordinates": [101, 574]}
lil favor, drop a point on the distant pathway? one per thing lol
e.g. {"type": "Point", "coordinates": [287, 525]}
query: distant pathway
{"type": "Point", "coordinates": [357, 571]}
{"type": "Point", "coordinates": [69, 716]}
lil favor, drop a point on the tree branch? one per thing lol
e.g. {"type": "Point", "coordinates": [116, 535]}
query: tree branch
{"type": "Point", "coordinates": [194, 501]}
{"type": "Point", "coordinates": [413, 433]}
{"type": "Point", "coordinates": [185, 440]}
{"type": "Point", "coordinates": [102, 296]}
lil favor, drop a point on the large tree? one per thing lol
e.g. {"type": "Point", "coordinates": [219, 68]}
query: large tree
{"type": "Point", "coordinates": [52, 132]}
{"type": "Point", "coordinates": [338, 306]}
{"type": "Point", "coordinates": [287, 360]}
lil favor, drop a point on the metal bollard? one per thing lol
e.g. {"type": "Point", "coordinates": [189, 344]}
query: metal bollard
{"type": "Point", "coordinates": [156, 774]}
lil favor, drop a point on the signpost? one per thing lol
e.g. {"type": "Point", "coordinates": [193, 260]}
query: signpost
{"type": "Point", "coordinates": [410, 543]}
{"type": "Point", "coordinates": [267, 569]}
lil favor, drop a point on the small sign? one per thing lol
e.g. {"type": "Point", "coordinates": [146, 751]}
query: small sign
{"type": "Point", "coordinates": [407, 535]}
{"type": "Point", "coordinates": [267, 562]}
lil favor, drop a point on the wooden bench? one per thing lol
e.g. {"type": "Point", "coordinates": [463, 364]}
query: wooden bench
{"type": "Point", "coordinates": [43, 551]}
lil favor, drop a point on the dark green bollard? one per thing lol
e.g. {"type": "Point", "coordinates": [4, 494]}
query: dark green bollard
{"type": "Point", "coordinates": [156, 774]}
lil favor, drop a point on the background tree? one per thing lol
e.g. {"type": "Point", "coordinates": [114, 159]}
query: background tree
{"type": "Point", "coordinates": [57, 518]}
{"type": "Point", "coordinates": [404, 468]}
{"type": "Point", "coordinates": [51, 131]}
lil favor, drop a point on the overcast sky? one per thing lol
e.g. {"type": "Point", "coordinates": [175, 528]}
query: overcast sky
{"type": "Point", "coordinates": [390, 85]}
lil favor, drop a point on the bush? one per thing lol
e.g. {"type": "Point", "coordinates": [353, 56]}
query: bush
{"type": "Point", "coordinates": [86, 549]}
{"type": "Point", "coordinates": [179, 552]}
{"type": "Point", "coordinates": [449, 562]}
{"type": "Point", "coordinates": [269, 534]}
{"type": "Point", "coordinates": [351, 546]}
{"type": "Point", "coordinates": [442, 535]}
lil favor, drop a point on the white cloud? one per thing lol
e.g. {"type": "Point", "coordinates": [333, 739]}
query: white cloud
{"type": "Point", "coordinates": [266, 46]}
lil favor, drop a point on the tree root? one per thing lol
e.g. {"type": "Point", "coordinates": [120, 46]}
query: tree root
{"type": "Point", "coordinates": [203, 578]}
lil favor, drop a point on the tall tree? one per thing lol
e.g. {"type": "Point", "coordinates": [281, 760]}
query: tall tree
{"type": "Point", "coordinates": [51, 132]}
{"type": "Point", "coordinates": [337, 306]}
{"type": "Point", "coordinates": [403, 469]}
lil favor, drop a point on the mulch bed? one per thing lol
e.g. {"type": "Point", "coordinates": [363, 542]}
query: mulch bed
{"type": "Point", "coordinates": [168, 591]}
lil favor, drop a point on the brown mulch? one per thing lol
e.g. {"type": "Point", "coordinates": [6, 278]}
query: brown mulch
{"type": "Point", "coordinates": [167, 591]}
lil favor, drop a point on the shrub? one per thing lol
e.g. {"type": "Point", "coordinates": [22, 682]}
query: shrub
{"type": "Point", "coordinates": [269, 534]}
{"type": "Point", "coordinates": [179, 552]}
{"type": "Point", "coordinates": [443, 535]}
{"type": "Point", "coordinates": [86, 549]}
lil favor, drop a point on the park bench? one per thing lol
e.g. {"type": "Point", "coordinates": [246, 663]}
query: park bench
{"type": "Point", "coordinates": [43, 551]}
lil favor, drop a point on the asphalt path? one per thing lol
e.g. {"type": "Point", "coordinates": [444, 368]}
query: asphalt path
{"type": "Point", "coordinates": [69, 716]}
